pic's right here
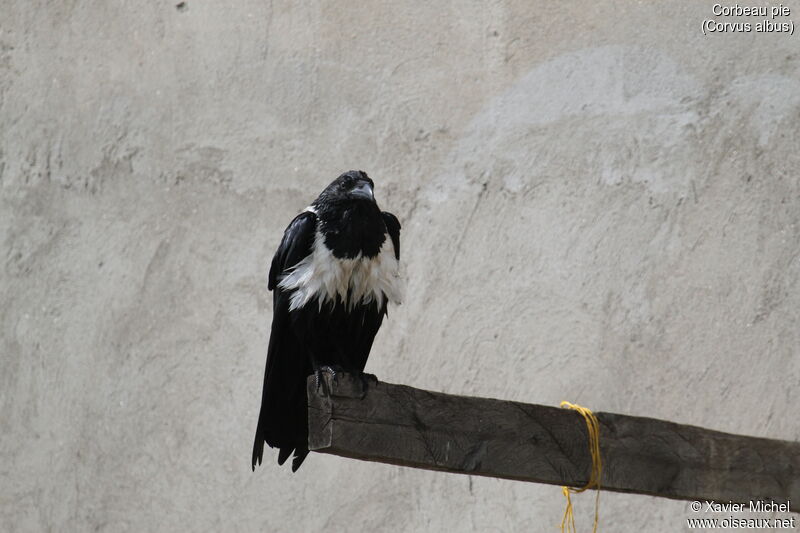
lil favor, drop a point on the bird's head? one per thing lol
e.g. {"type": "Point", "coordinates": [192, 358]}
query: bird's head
{"type": "Point", "coordinates": [352, 186]}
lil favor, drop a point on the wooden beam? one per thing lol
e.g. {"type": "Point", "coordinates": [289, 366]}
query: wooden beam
{"type": "Point", "coordinates": [402, 425]}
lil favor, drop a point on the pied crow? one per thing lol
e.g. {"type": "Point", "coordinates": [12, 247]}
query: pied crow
{"type": "Point", "coordinates": [334, 273]}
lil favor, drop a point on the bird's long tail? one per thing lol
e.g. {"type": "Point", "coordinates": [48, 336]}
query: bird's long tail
{"type": "Point", "coordinates": [283, 419]}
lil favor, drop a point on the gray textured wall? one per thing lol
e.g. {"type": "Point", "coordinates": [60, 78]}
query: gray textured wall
{"type": "Point", "coordinates": [599, 204]}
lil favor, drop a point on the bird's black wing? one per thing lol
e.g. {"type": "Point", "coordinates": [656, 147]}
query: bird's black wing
{"type": "Point", "coordinates": [298, 239]}
{"type": "Point", "coordinates": [393, 227]}
{"type": "Point", "coordinates": [282, 420]}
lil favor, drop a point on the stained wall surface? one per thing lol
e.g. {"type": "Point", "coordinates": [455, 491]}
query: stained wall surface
{"type": "Point", "coordinates": [599, 203]}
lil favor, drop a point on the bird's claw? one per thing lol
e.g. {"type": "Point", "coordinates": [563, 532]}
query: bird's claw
{"type": "Point", "coordinates": [333, 371]}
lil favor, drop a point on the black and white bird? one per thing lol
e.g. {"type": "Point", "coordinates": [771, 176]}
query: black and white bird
{"type": "Point", "coordinates": [333, 275]}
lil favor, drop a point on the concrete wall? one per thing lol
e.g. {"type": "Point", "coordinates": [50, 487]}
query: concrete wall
{"type": "Point", "coordinates": [599, 203]}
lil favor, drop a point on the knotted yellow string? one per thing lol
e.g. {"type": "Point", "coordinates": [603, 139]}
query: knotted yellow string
{"type": "Point", "coordinates": [593, 427]}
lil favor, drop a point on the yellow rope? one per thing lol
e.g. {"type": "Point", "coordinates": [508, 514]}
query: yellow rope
{"type": "Point", "coordinates": [593, 427]}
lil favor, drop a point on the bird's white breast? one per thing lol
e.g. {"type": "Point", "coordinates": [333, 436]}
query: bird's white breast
{"type": "Point", "coordinates": [361, 279]}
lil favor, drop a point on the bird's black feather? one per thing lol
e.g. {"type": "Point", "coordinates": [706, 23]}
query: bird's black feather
{"type": "Point", "coordinates": [393, 228]}
{"type": "Point", "coordinates": [296, 244]}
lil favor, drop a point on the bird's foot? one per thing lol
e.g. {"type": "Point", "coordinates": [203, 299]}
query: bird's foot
{"type": "Point", "coordinates": [333, 370]}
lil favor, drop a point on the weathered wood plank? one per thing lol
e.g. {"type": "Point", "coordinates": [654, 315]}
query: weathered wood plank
{"type": "Point", "coordinates": [401, 425]}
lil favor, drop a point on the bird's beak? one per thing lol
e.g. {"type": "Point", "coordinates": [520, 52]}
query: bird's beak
{"type": "Point", "coordinates": [363, 190]}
